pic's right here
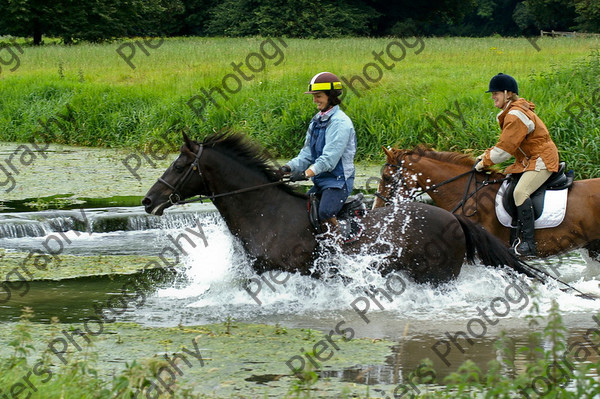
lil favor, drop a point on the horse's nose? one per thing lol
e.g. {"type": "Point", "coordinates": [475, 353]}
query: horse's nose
{"type": "Point", "coordinates": [147, 202]}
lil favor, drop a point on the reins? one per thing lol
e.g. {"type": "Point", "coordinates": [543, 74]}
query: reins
{"type": "Point", "coordinates": [175, 198]}
{"type": "Point", "coordinates": [240, 191]}
{"type": "Point", "coordinates": [466, 194]}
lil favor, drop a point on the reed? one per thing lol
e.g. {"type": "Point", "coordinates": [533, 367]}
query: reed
{"type": "Point", "coordinates": [117, 106]}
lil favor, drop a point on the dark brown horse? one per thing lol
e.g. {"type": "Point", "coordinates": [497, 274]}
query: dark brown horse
{"type": "Point", "coordinates": [270, 218]}
{"type": "Point", "coordinates": [423, 168]}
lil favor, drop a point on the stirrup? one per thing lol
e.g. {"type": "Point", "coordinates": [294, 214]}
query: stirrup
{"type": "Point", "coordinates": [531, 250]}
{"type": "Point", "coordinates": [515, 244]}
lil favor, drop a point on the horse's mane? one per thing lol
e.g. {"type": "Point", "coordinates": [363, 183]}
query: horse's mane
{"type": "Point", "coordinates": [455, 158]}
{"type": "Point", "coordinates": [443, 156]}
{"type": "Point", "coordinates": [240, 148]}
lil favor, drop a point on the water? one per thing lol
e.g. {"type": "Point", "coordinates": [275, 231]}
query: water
{"type": "Point", "coordinates": [218, 274]}
{"type": "Point", "coordinates": [217, 284]}
{"type": "Point", "coordinates": [116, 231]}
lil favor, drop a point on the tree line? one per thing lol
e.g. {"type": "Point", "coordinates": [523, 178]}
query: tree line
{"type": "Point", "coordinates": [101, 20]}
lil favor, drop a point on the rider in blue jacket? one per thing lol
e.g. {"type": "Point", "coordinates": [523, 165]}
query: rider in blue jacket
{"type": "Point", "coordinates": [329, 148]}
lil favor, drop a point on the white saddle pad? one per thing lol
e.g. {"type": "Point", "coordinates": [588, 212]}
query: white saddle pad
{"type": "Point", "coordinates": [555, 207]}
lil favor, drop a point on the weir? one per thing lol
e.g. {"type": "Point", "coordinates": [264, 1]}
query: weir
{"type": "Point", "coordinates": [99, 220]}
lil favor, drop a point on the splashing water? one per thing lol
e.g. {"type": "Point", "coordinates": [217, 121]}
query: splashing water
{"type": "Point", "coordinates": [221, 283]}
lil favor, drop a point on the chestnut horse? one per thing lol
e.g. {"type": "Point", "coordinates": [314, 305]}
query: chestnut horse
{"type": "Point", "coordinates": [448, 178]}
{"type": "Point", "coordinates": [271, 220]}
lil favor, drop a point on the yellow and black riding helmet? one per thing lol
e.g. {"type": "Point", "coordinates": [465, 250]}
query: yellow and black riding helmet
{"type": "Point", "coordinates": [324, 81]}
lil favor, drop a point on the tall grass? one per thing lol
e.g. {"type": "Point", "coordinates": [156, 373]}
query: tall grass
{"type": "Point", "coordinates": [117, 106]}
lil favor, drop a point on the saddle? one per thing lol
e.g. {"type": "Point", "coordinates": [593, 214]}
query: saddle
{"type": "Point", "coordinates": [348, 217]}
{"type": "Point", "coordinates": [557, 181]}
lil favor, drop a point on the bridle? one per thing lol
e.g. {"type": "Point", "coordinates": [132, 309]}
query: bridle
{"type": "Point", "coordinates": [183, 179]}
{"type": "Point", "coordinates": [175, 197]}
{"type": "Point", "coordinates": [466, 196]}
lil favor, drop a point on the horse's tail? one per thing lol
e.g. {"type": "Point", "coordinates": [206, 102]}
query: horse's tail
{"type": "Point", "coordinates": [491, 250]}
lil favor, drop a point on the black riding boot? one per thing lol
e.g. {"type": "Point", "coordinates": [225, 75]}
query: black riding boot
{"type": "Point", "coordinates": [526, 247]}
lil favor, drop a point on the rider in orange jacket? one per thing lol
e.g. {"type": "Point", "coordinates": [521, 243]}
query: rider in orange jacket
{"type": "Point", "coordinates": [525, 137]}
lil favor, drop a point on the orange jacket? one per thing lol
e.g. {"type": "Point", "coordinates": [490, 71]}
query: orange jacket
{"type": "Point", "coordinates": [525, 137]}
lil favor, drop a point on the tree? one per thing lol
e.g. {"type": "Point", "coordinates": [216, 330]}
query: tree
{"type": "Point", "coordinates": [26, 18]}
{"type": "Point", "coordinates": [552, 14]}
{"type": "Point", "coordinates": [588, 18]}
{"type": "Point", "coordinates": [94, 20]}
{"type": "Point", "coordinates": [426, 17]}
{"type": "Point", "coordinates": [294, 18]}
{"type": "Point", "coordinates": [524, 18]}
{"type": "Point", "coordinates": [488, 17]}
{"type": "Point", "coordinates": [196, 17]}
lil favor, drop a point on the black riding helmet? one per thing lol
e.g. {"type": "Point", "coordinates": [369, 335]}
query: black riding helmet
{"type": "Point", "coordinates": [503, 82]}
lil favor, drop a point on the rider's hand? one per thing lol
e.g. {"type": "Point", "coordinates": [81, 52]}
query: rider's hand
{"type": "Point", "coordinates": [283, 171]}
{"type": "Point", "coordinates": [479, 166]}
{"type": "Point", "coordinates": [298, 176]}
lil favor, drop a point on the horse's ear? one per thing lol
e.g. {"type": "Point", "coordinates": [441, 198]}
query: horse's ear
{"type": "Point", "coordinates": [388, 152]}
{"type": "Point", "coordinates": [187, 140]}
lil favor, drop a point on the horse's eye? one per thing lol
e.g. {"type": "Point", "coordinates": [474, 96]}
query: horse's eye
{"type": "Point", "coordinates": [178, 168]}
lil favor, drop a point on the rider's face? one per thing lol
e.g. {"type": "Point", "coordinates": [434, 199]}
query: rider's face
{"type": "Point", "coordinates": [499, 99]}
{"type": "Point", "coordinates": [321, 99]}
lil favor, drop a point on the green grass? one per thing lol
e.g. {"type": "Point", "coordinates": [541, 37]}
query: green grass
{"type": "Point", "coordinates": [116, 106]}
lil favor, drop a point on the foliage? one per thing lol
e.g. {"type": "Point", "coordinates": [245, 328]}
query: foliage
{"type": "Point", "coordinates": [588, 15]}
{"type": "Point", "coordinates": [196, 17]}
{"type": "Point", "coordinates": [21, 341]}
{"type": "Point", "coordinates": [303, 18]}
{"type": "Point", "coordinates": [90, 21]}
{"type": "Point", "coordinates": [546, 369]}
{"type": "Point", "coordinates": [430, 17]}
{"type": "Point", "coordinates": [552, 14]}
{"type": "Point", "coordinates": [524, 18]}
{"type": "Point", "coordinates": [413, 103]}
{"type": "Point", "coordinates": [302, 385]}
{"type": "Point", "coordinates": [101, 20]}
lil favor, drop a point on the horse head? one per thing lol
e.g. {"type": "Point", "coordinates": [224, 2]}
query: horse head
{"type": "Point", "coordinates": [397, 176]}
{"type": "Point", "coordinates": [181, 180]}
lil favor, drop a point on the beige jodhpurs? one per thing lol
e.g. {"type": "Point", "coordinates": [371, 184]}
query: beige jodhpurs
{"type": "Point", "coordinates": [529, 182]}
